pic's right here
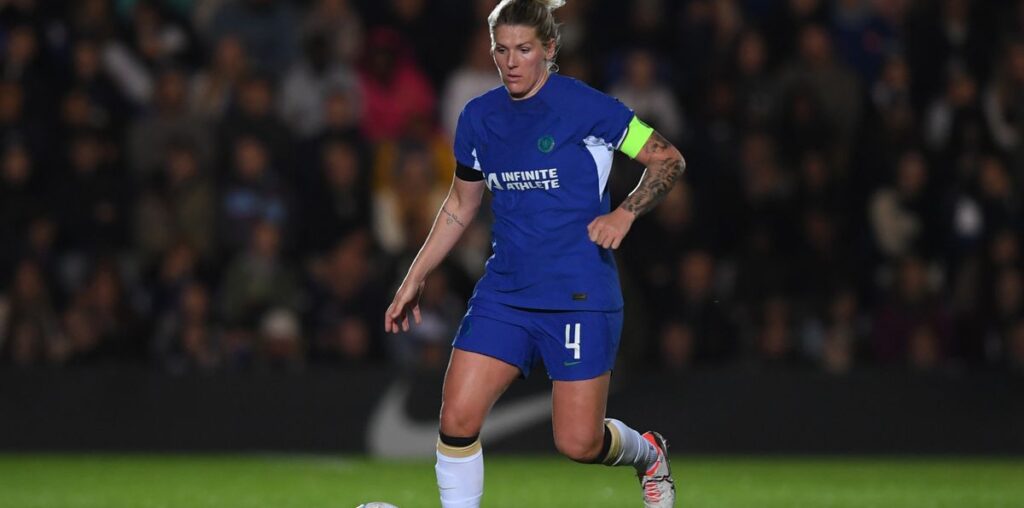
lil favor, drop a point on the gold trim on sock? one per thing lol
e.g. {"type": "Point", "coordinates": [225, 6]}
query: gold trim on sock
{"type": "Point", "coordinates": [615, 448]}
{"type": "Point", "coordinates": [459, 452]}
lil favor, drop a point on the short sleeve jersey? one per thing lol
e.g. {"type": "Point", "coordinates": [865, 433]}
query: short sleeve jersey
{"type": "Point", "coordinates": [546, 161]}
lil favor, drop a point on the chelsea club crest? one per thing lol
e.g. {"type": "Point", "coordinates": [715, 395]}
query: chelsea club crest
{"type": "Point", "coordinates": [546, 144]}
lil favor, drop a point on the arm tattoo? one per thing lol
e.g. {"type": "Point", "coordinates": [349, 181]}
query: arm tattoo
{"type": "Point", "coordinates": [656, 144]}
{"type": "Point", "coordinates": [451, 217]}
{"type": "Point", "coordinates": [657, 180]}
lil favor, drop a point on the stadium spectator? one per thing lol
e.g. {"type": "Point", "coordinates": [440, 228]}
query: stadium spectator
{"type": "Point", "coordinates": [865, 36]}
{"type": "Point", "coordinates": [400, 212]}
{"type": "Point", "coordinates": [774, 337]}
{"type": "Point", "coordinates": [178, 268]}
{"type": "Point", "coordinates": [341, 123]}
{"type": "Point", "coordinates": [833, 332]}
{"type": "Point", "coordinates": [913, 324]}
{"type": "Point", "coordinates": [675, 346]}
{"type": "Point", "coordinates": [644, 91]}
{"type": "Point", "coordinates": [891, 124]}
{"type": "Point", "coordinates": [255, 116]}
{"type": "Point", "coordinates": [755, 86]}
{"type": "Point", "coordinates": [695, 304]}
{"type": "Point", "coordinates": [169, 122]}
{"type": "Point", "coordinates": [345, 296]}
{"type": "Point", "coordinates": [901, 216]}
{"type": "Point", "coordinates": [473, 77]}
{"type": "Point", "coordinates": [999, 204]}
{"type": "Point", "coordinates": [30, 332]}
{"type": "Point", "coordinates": [417, 21]}
{"type": "Point", "coordinates": [280, 340]}
{"type": "Point", "coordinates": [99, 323]}
{"type": "Point", "coordinates": [39, 243]}
{"type": "Point", "coordinates": [395, 90]}
{"type": "Point", "coordinates": [1005, 307]}
{"type": "Point", "coordinates": [267, 28]}
{"type": "Point", "coordinates": [110, 107]}
{"type": "Point", "coordinates": [187, 337]}
{"type": "Point", "coordinates": [215, 87]}
{"type": "Point", "coordinates": [308, 83]}
{"type": "Point", "coordinates": [954, 121]}
{"type": "Point", "coordinates": [947, 35]}
{"type": "Point", "coordinates": [816, 83]}
{"type": "Point", "coordinates": [179, 203]}
{"type": "Point", "coordinates": [253, 193]}
{"type": "Point", "coordinates": [23, 62]}
{"type": "Point", "coordinates": [151, 41]}
{"type": "Point", "coordinates": [340, 22]}
{"type": "Point", "coordinates": [20, 189]}
{"type": "Point", "coordinates": [925, 350]}
{"type": "Point", "coordinates": [337, 200]}
{"type": "Point", "coordinates": [93, 195]}
{"type": "Point", "coordinates": [259, 280]}
{"type": "Point", "coordinates": [824, 263]}
{"type": "Point", "coordinates": [93, 18]}
{"type": "Point", "coordinates": [20, 120]}
{"type": "Point", "coordinates": [709, 33]}
{"type": "Point", "coordinates": [787, 18]}
{"type": "Point", "coordinates": [1004, 103]}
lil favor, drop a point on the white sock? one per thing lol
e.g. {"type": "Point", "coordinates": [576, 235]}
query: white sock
{"type": "Point", "coordinates": [628, 447]}
{"type": "Point", "coordinates": [460, 475]}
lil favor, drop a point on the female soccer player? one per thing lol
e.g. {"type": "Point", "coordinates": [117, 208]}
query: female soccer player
{"type": "Point", "coordinates": [543, 145]}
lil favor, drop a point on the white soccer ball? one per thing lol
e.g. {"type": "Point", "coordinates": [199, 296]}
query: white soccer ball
{"type": "Point", "coordinates": [376, 504]}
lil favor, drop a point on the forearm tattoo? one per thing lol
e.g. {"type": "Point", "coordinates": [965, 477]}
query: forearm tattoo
{"type": "Point", "coordinates": [657, 179]}
{"type": "Point", "coordinates": [451, 217]}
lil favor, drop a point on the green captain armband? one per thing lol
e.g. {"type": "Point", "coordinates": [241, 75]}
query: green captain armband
{"type": "Point", "coordinates": [636, 136]}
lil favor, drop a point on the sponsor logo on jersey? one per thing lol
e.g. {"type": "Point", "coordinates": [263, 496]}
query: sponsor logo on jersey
{"type": "Point", "coordinates": [535, 179]}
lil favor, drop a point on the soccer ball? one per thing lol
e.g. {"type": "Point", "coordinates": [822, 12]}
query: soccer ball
{"type": "Point", "coordinates": [376, 504]}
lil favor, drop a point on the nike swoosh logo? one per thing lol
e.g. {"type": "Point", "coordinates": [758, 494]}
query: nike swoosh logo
{"type": "Point", "coordinates": [570, 364]}
{"type": "Point", "coordinates": [391, 433]}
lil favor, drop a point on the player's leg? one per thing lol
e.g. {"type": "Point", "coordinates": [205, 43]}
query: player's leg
{"type": "Point", "coordinates": [489, 354]}
{"type": "Point", "coordinates": [472, 385]}
{"type": "Point", "coordinates": [577, 417]}
{"type": "Point", "coordinates": [579, 364]}
{"type": "Point", "coordinates": [583, 434]}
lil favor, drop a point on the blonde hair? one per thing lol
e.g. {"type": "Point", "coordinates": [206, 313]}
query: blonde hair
{"type": "Point", "coordinates": [532, 13]}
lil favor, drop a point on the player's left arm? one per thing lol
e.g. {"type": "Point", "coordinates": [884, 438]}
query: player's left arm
{"type": "Point", "coordinates": [665, 164]}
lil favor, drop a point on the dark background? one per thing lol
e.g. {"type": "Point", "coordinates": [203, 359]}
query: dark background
{"type": "Point", "coordinates": [215, 200]}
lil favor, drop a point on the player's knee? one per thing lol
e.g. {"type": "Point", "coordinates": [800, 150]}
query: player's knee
{"type": "Point", "coordinates": [457, 420]}
{"type": "Point", "coordinates": [580, 448]}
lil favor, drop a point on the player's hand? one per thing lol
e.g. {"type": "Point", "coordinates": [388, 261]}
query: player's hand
{"type": "Point", "coordinates": [609, 229]}
{"type": "Point", "coordinates": [406, 298]}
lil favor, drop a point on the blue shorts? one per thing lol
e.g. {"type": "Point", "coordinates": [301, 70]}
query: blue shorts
{"type": "Point", "coordinates": [574, 345]}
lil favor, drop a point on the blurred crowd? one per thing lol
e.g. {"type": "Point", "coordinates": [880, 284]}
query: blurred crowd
{"type": "Point", "coordinates": [204, 185]}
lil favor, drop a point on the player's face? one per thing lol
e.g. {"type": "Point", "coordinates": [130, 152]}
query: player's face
{"type": "Point", "coordinates": [522, 59]}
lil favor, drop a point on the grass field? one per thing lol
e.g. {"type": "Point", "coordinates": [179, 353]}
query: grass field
{"type": "Point", "coordinates": [272, 481]}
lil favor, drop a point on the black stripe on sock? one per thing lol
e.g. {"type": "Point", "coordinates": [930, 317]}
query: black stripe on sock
{"type": "Point", "coordinates": [458, 442]}
{"type": "Point", "coordinates": [606, 446]}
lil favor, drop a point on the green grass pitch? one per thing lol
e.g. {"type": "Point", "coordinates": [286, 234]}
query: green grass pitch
{"type": "Point", "coordinates": [279, 481]}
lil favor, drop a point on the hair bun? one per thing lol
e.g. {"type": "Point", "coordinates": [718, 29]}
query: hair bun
{"type": "Point", "coordinates": [551, 4]}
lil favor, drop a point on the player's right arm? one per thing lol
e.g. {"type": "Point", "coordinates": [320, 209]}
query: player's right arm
{"type": "Point", "coordinates": [457, 211]}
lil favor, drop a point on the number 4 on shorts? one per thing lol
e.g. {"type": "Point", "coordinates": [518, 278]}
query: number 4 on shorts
{"type": "Point", "coordinates": [572, 341]}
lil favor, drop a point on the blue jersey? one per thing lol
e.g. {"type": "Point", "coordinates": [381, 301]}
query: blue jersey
{"type": "Point", "coordinates": [546, 160]}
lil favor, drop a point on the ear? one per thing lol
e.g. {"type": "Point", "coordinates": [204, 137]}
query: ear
{"type": "Point", "coordinates": [549, 50]}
